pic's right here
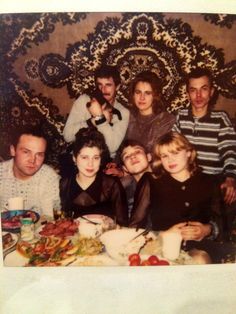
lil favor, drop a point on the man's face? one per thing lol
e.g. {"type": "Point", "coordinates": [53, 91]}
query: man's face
{"type": "Point", "coordinates": [108, 88]}
{"type": "Point", "coordinates": [135, 160]}
{"type": "Point", "coordinates": [200, 92]}
{"type": "Point", "coordinates": [29, 155]}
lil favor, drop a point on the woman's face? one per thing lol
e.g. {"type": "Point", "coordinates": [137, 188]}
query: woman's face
{"type": "Point", "coordinates": [88, 161]}
{"type": "Point", "coordinates": [143, 98]}
{"type": "Point", "coordinates": [173, 161]}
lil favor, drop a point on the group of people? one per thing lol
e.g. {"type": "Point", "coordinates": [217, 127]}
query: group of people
{"type": "Point", "coordinates": [140, 165]}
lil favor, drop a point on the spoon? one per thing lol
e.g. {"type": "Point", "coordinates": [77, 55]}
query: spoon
{"type": "Point", "coordinates": [92, 222]}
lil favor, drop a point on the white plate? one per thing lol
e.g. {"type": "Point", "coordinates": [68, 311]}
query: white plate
{"type": "Point", "coordinates": [15, 259]}
{"type": "Point", "coordinates": [15, 239]}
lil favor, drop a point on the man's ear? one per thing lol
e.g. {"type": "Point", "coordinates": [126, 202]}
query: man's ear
{"type": "Point", "coordinates": [149, 157]}
{"type": "Point", "coordinates": [12, 151]}
{"type": "Point", "coordinates": [74, 159]}
{"type": "Point", "coordinates": [212, 91]}
{"type": "Point", "coordinates": [125, 169]}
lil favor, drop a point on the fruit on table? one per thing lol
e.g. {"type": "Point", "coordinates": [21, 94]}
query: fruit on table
{"type": "Point", "coordinates": [153, 260]}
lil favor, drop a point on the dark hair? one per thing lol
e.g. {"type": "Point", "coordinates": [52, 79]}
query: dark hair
{"type": "Point", "coordinates": [156, 85]}
{"type": "Point", "coordinates": [106, 71]}
{"type": "Point", "coordinates": [199, 72]}
{"type": "Point", "coordinates": [27, 130]}
{"type": "Point", "coordinates": [89, 137]}
{"type": "Point", "coordinates": [127, 143]}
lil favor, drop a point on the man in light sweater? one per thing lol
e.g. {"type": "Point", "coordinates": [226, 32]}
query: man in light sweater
{"type": "Point", "coordinates": [87, 111]}
{"type": "Point", "coordinates": [26, 175]}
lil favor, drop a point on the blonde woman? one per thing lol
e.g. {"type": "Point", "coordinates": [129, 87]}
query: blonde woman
{"type": "Point", "coordinates": [179, 196]}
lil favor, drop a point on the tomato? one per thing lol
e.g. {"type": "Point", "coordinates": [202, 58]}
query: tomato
{"type": "Point", "coordinates": [134, 257]}
{"type": "Point", "coordinates": [145, 263]}
{"type": "Point", "coordinates": [134, 263]}
{"type": "Point", "coordinates": [153, 260]}
{"type": "Point", "coordinates": [163, 263]}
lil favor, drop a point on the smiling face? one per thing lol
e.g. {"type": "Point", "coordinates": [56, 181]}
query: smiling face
{"type": "Point", "coordinates": [88, 161]}
{"type": "Point", "coordinates": [108, 88]}
{"type": "Point", "coordinates": [175, 161]}
{"type": "Point", "coordinates": [29, 155]}
{"type": "Point", "coordinates": [135, 160]}
{"type": "Point", "coordinates": [200, 92]}
{"type": "Point", "coordinates": [143, 98]}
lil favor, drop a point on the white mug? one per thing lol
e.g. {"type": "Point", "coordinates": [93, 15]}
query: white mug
{"type": "Point", "coordinates": [171, 242]}
{"type": "Point", "coordinates": [16, 203]}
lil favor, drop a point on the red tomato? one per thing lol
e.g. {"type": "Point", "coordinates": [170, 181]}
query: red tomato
{"type": "Point", "coordinates": [145, 263]}
{"type": "Point", "coordinates": [163, 263]}
{"type": "Point", "coordinates": [134, 263]}
{"type": "Point", "coordinates": [134, 257]}
{"type": "Point", "coordinates": [153, 260]}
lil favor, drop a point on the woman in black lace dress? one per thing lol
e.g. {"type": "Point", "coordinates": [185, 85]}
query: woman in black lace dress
{"type": "Point", "coordinates": [88, 190]}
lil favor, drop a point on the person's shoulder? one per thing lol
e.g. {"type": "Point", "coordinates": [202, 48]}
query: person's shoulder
{"type": "Point", "coordinates": [84, 98]}
{"type": "Point", "coordinates": [221, 115]}
{"type": "Point", "coordinates": [5, 165]}
{"type": "Point", "coordinates": [121, 107]}
{"type": "Point", "coordinates": [48, 170]}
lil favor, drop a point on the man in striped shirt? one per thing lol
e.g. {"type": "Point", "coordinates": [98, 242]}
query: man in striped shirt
{"type": "Point", "coordinates": [211, 132]}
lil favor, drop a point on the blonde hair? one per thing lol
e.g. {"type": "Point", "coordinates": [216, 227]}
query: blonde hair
{"type": "Point", "coordinates": [175, 143]}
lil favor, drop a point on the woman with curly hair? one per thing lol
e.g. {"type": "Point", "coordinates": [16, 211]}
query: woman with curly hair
{"type": "Point", "coordinates": [89, 190]}
{"type": "Point", "coordinates": [149, 119]}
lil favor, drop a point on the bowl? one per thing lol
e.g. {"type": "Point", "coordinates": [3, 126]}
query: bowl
{"type": "Point", "coordinates": [120, 243]}
{"type": "Point", "coordinates": [92, 225]}
{"type": "Point", "coordinates": [11, 219]}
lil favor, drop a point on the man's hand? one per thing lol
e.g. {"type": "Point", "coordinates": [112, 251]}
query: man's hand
{"type": "Point", "coordinates": [195, 231]}
{"type": "Point", "coordinates": [113, 170]}
{"type": "Point", "coordinates": [229, 185]}
{"type": "Point", "coordinates": [95, 109]}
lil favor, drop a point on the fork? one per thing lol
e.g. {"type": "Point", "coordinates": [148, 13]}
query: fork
{"type": "Point", "coordinates": [146, 231]}
{"type": "Point", "coordinates": [92, 222]}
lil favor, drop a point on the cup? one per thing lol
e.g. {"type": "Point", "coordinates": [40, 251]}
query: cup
{"type": "Point", "coordinates": [171, 242]}
{"type": "Point", "coordinates": [16, 203]}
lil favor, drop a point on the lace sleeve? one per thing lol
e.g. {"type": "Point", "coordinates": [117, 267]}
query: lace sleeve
{"type": "Point", "coordinates": [141, 207]}
{"type": "Point", "coordinates": [119, 203]}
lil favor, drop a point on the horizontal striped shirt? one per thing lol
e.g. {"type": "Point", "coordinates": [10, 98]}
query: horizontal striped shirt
{"type": "Point", "coordinates": [214, 139]}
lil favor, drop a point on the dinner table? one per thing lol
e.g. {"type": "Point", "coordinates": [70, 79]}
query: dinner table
{"type": "Point", "coordinates": [96, 240]}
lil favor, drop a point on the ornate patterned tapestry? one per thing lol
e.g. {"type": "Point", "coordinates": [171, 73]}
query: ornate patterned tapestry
{"type": "Point", "coordinates": [132, 41]}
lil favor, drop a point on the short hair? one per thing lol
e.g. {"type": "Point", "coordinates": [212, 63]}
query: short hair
{"type": "Point", "coordinates": [176, 142]}
{"type": "Point", "coordinates": [126, 143]}
{"type": "Point", "coordinates": [34, 130]}
{"type": "Point", "coordinates": [156, 85]}
{"type": "Point", "coordinates": [199, 72]}
{"type": "Point", "coordinates": [106, 71]}
{"type": "Point", "coordinates": [90, 137]}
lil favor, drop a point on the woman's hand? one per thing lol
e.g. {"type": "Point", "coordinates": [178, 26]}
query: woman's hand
{"type": "Point", "coordinates": [178, 227]}
{"type": "Point", "coordinates": [229, 185]}
{"type": "Point", "coordinates": [195, 231]}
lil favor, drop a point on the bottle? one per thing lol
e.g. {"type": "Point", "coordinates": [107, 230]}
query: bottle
{"type": "Point", "coordinates": [27, 229]}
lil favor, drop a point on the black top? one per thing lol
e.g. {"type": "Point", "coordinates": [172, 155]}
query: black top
{"type": "Point", "coordinates": [167, 201]}
{"type": "Point", "coordinates": [104, 196]}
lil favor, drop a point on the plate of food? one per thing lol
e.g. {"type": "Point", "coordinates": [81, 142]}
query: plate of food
{"type": "Point", "coordinates": [9, 240]}
{"type": "Point", "coordinates": [92, 226]}
{"type": "Point", "coordinates": [61, 228]}
{"type": "Point", "coordinates": [11, 219]}
{"type": "Point", "coordinates": [120, 243]}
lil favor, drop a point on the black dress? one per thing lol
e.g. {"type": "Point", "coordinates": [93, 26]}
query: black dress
{"type": "Point", "coordinates": [104, 196]}
{"type": "Point", "coordinates": [166, 202]}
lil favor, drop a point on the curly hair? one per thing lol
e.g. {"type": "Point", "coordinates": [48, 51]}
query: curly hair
{"type": "Point", "coordinates": [156, 85]}
{"type": "Point", "coordinates": [89, 137]}
{"type": "Point", "coordinates": [175, 143]}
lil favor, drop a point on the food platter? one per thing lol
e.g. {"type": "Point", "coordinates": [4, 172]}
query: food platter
{"type": "Point", "coordinates": [11, 219]}
{"type": "Point", "coordinates": [120, 243]}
